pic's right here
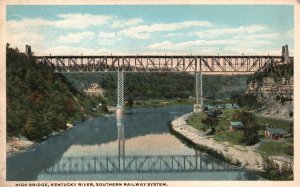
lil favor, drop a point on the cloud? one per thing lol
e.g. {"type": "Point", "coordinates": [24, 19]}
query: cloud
{"type": "Point", "coordinates": [15, 26]}
{"type": "Point", "coordinates": [229, 31]}
{"type": "Point", "coordinates": [71, 50]}
{"type": "Point", "coordinates": [108, 38]}
{"type": "Point", "coordinates": [21, 39]}
{"type": "Point", "coordinates": [80, 21]}
{"type": "Point", "coordinates": [213, 47]}
{"type": "Point", "coordinates": [165, 37]}
{"type": "Point", "coordinates": [173, 34]}
{"type": "Point", "coordinates": [120, 23]}
{"type": "Point", "coordinates": [64, 21]}
{"type": "Point", "coordinates": [107, 35]}
{"type": "Point", "coordinates": [76, 37]}
{"type": "Point", "coordinates": [168, 45]}
{"type": "Point", "coordinates": [143, 31]}
{"type": "Point", "coordinates": [265, 36]}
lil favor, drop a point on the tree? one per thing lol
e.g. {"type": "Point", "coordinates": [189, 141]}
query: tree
{"type": "Point", "coordinates": [130, 102]}
{"type": "Point", "coordinates": [69, 106]}
{"type": "Point", "coordinates": [249, 100]}
{"type": "Point", "coordinates": [250, 134]}
{"type": "Point", "coordinates": [211, 122]}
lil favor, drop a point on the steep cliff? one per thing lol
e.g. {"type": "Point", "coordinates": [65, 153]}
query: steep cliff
{"type": "Point", "coordinates": [274, 89]}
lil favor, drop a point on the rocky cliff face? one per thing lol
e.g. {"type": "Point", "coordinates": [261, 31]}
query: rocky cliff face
{"type": "Point", "coordinates": [276, 94]}
{"type": "Point", "coordinates": [269, 87]}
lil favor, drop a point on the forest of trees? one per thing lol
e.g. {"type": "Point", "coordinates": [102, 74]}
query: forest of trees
{"type": "Point", "coordinates": [274, 71]}
{"type": "Point", "coordinates": [39, 101]}
{"type": "Point", "coordinates": [142, 86]}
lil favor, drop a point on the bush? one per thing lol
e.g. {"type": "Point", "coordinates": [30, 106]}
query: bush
{"type": "Point", "coordinates": [275, 172]}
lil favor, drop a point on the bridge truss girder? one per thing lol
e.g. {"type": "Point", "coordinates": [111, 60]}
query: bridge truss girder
{"type": "Point", "coordinates": [64, 64]}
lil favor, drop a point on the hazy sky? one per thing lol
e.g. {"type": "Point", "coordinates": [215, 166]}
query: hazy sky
{"type": "Point", "coordinates": [151, 29]}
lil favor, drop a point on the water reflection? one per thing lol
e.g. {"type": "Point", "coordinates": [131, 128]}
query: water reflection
{"type": "Point", "coordinates": [98, 145]}
{"type": "Point", "coordinates": [121, 144]}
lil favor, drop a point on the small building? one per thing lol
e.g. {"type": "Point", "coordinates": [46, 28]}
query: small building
{"type": "Point", "coordinates": [276, 133]}
{"type": "Point", "coordinates": [236, 106]}
{"type": "Point", "coordinates": [209, 107]}
{"type": "Point", "coordinates": [236, 125]}
{"type": "Point", "coordinates": [220, 107]}
{"type": "Point", "coordinates": [228, 106]}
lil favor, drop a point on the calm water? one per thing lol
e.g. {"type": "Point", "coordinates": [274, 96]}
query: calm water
{"type": "Point", "coordinates": [146, 133]}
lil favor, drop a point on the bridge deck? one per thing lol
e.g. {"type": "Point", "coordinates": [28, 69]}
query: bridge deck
{"type": "Point", "coordinates": [64, 64]}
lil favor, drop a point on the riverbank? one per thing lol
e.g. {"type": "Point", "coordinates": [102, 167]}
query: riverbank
{"type": "Point", "coordinates": [247, 156]}
{"type": "Point", "coordinates": [18, 143]}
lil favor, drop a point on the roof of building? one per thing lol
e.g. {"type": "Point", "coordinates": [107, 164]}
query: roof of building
{"type": "Point", "coordinates": [236, 124]}
{"type": "Point", "coordinates": [277, 131]}
{"type": "Point", "coordinates": [228, 106]}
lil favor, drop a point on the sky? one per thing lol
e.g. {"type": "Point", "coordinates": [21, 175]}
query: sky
{"type": "Point", "coordinates": [151, 29]}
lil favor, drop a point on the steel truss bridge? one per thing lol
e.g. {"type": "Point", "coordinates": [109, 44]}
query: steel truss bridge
{"type": "Point", "coordinates": [242, 64]}
{"type": "Point", "coordinates": [110, 164]}
{"type": "Point", "coordinates": [148, 63]}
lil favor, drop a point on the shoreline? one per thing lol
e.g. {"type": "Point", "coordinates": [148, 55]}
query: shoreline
{"type": "Point", "coordinates": [246, 156]}
{"type": "Point", "coordinates": [18, 144]}
{"type": "Point", "coordinates": [15, 145]}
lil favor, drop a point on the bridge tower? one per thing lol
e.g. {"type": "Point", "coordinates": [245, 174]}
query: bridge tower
{"type": "Point", "coordinates": [285, 54]}
{"type": "Point", "coordinates": [198, 107]}
{"type": "Point", "coordinates": [28, 51]}
{"type": "Point", "coordinates": [119, 117]}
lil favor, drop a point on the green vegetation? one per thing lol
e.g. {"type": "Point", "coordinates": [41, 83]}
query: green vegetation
{"type": "Point", "coordinates": [196, 121]}
{"type": "Point", "coordinates": [158, 103]}
{"type": "Point", "coordinates": [274, 71]}
{"type": "Point", "coordinates": [149, 86]}
{"type": "Point", "coordinates": [248, 101]}
{"type": "Point", "coordinates": [274, 172]}
{"type": "Point", "coordinates": [39, 101]}
{"type": "Point", "coordinates": [233, 137]}
{"type": "Point", "coordinates": [250, 133]}
{"type": "Point", "coordinates": [255, 127]}
{"type": "Point", "coordinates": [276, 148]}
{"type": "Point", "coordinates": [275, 123]}
{"type": "Point", "coordinates": [221, 130]}
{"type": "Point", "coordinates": [211, 122]}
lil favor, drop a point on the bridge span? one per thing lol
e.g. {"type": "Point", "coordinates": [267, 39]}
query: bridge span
{"type": "Point", "coordinates": [149, 63]}
{"type": "Point", "coordinates": [164, 63]}
{"type": "Point", "coordinates": [215, 64]}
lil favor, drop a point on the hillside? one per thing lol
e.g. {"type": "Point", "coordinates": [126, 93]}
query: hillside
{"type": "Point", "coordinates": [274, 90]}
{"type": "Point", "coordinates": [143, 86]}
{"type": "Point", "coordinates": [39, 101]}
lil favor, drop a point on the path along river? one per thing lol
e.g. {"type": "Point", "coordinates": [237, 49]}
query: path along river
{"type": "Point", "coordinates": [146, 133]}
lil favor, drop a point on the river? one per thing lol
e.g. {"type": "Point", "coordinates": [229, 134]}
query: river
{"type": "Point", "coordinates": [96, 141]}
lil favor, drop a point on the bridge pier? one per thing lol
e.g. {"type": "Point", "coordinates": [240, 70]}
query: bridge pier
{"type": "Point", "coordinates": [120, 101]}
{"type": "Point", "coordinates": [198, 107]}
{"type": "Point", "coordinates": [119, 117]}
